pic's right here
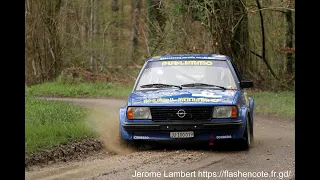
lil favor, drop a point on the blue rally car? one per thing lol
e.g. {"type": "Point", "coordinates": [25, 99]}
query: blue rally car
{"type": "Point", "coordinates": [198, 97]}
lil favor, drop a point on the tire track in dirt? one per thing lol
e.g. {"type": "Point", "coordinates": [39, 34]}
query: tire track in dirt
{"type": "Point", "coordinates": [144, 162]}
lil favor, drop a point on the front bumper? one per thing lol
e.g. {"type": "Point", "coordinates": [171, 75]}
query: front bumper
{"type": "Point", "coordinates": [131, 127]}
{"type": "Point", "coordinates": [202, 130]}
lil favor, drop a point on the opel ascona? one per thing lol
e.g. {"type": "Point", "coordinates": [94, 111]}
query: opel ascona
{"type": "Point", "coordinates": [198, 97]}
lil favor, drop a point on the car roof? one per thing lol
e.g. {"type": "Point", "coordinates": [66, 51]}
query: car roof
{"type": "Point", "coordinates": [189, 56]}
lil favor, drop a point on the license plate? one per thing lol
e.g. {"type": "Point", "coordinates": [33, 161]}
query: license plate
{"type": "Point", "coordinates": [187, 134]}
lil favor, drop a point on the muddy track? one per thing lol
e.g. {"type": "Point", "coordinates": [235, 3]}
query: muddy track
{"type": "Point", "coordinates": [271, 157]}
{"type": "Point", "coordinates": [75, 150]}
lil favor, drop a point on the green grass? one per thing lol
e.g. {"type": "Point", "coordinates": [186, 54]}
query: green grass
{"type": "Point", "coordinates": [78, 90]}
{"type": "Point", "coordinates": [50, 123]}
{"type": "Point", "coordinates": [271, 103]}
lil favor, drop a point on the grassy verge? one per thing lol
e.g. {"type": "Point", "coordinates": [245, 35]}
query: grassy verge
{"type": "Point", "coordinates": [50, 123]}
{"type": "Point", "coordinates": [79, 90]}
{"type": "Point", "coordinates": [271, 103]}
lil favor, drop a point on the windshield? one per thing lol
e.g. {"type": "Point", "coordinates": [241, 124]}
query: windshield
{"type": "Point", "coordinates": [177, 73]}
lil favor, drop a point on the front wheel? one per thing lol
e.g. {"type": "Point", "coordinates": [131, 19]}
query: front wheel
{"type": "Point", "coordinates": [246, 140]}
{"type": "Point", "coordinates": [132, 144]}
{"type": "Point", "coordinates": [123, 142]}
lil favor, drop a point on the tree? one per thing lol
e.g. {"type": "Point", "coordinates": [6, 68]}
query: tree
{"type": "Point", "coordinates": [289, 38]}
{"type": "Point", "coordinates": [227, 22]}
{"type": "Point", "coordinates": [134, 35]}
{"type": "Point", "coordinates": [43, 44]}
{"type": "Point", "coordinates": [155, 18]}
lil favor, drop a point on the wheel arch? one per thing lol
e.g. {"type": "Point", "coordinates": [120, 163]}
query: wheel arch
{"type": "Point", "coordinates": [122, 118]}
{"type": "Point", "coordinates": [251, 107]}
{"type": "Point", "coordinates": [243, 116]}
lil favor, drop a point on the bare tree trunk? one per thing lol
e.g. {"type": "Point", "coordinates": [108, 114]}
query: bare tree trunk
{"type": "Point", "coordinates": [26, 10]}
{"type": "Point", "coordinates": [263, 56]}
{"type": "Point", "coordinates": [83, 29]}
{"type": "Point", "coordinates": [25, 20]}
{"type": "Point", "coordinates": [115, 6]}
{"type": "Point", "coordinates": [114, 30]}
{"type": "Point", "coordinates": [122, 16]}
{"type": "Point", "coordinates": [95, 32]}
{"type": "Point", "coordinates": [240, 41]}
{"type": "Point", "coordinates": [134, 35]}
{"type": "Point", "coordinates": [64, 20]}
{"type": "Point", "coordinates": [92, 25]}
{"type": "Point", "coordinates": [289, 41]}
{"type": "Point", "coordinates": [227, 21]}
{"type": "Point", "coordinates": [155, 16]}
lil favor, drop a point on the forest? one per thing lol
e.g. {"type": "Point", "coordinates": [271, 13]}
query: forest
{"type": "Point", "coordinates": [82, 58]}
{"type": "Point", "coordinates": [115, 36]}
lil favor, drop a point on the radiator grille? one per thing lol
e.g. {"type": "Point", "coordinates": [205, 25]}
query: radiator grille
{"type": "Point", "coordinates": [186, 113]}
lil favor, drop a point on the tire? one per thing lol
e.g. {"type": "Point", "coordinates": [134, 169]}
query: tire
{"type": "Point", "coordinates": [123, 142]}
{"type": "Point", "coordinates": [246, 140]}
{"type": "Point", "coordinates": [132, 144]}
{"type": "Point", "coordinates": [251, 131]}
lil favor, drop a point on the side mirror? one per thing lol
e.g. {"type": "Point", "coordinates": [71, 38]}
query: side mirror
{"type": "Point", "coordinates": [246, 84]}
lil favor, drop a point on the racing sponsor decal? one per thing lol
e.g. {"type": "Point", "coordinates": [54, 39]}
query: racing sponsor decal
{"type": "Point", "coordinates": [208, 94]}
{"type": "Point", "coordinates": [137, 102]}
{"type": "Point", "coordinates": [231, 88]}
{"type": "Point", "coordinates": [197, 100]}
{"type": "Point", "coordinates": [230, 92]}
{"type": "Point", "coordinates": [140, 137]}
{"type": "Point", "coordinates": [187, 63]}
{"type": "Point", "coordinates": [218, 56]}
{"type": "Point", "coordinates": [160, 100]}
{"type": "Point", "coordinates": [154, 94]}
{"type": "Point", "coordinates": [157, 100]}
{"type": "Point", "coordinates": [191, 62]}
{"type": "Point", "coordinates": [224, 137]}
{"type": "Point", "coordinates": [186, 57]}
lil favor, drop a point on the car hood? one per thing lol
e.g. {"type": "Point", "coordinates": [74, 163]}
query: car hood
{"type": "Point", "coordinates": [189, 96]}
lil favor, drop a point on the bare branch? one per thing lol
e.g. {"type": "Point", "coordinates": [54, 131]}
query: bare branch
{"type": "Point", "coordinates": [276, 8]}
{"type": "Point", "coordinates": [264, 43]}
{"type": "Point", "coordinates": [256, 54]}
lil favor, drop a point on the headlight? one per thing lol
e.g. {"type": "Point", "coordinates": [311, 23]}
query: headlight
{"type": "Point", "coordinates": [139, 113]}
{"type": "Point", "coordinates": [224, 112]}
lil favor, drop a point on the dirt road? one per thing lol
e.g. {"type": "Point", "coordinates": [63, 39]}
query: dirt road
{"type": "Point", "coordinates": [271, 157]}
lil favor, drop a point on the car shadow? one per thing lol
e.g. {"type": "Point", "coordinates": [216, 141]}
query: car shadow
{"type": "Point", "coordinates": [218, 146]}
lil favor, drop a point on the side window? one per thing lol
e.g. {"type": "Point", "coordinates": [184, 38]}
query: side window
{"type": "Point", "coordinates": [236, 70]}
